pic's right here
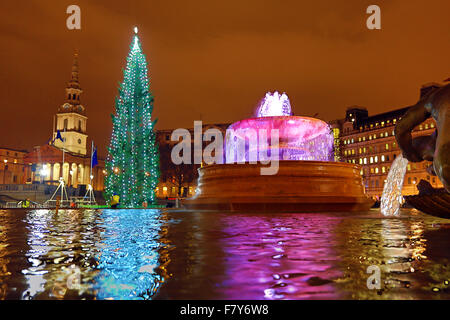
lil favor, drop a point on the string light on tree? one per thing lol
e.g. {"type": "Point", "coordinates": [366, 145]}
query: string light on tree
{"type": "Point", "coordinates": [132, 165]}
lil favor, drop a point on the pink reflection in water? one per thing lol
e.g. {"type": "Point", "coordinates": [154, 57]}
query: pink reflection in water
{"type": "Point", "coordinates": [288, 257]}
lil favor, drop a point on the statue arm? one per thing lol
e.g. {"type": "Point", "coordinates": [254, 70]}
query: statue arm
{"type": "Point", "coordinates": [412, 118]}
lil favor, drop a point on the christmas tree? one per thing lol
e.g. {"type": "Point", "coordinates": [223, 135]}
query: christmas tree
{"type": "Point", "coordinates": [132, 165]}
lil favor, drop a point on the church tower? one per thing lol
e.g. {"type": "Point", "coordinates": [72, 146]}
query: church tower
{"type": "Point", "coordinates": [71, 120]}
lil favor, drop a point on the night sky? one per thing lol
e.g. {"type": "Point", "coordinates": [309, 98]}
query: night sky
{"type": "Point", "coordinates": [214, 60]}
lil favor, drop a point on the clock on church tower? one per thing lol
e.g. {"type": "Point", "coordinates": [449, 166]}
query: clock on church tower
{"type": "Point", "coordinates": [71, 120]}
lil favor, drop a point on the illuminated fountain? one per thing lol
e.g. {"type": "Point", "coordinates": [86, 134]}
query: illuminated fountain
{"type": "Point", "coordinates": [277, 162]}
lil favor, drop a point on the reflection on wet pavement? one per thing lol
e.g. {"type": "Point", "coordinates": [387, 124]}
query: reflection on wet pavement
{"type": "Point", "coordinates": [151, 254]}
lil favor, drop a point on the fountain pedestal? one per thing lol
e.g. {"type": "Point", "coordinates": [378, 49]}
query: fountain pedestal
{"type": "Point", "coordinates": [299, 186]}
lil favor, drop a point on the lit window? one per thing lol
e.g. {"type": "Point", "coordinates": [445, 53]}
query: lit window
{"type": "Point", "coordinates": [382, 159]}
{"type": "Point", "coordinates": [376, 159]}
{"type": "Point", "coordinates": [360, 160]}
{"type": "Point", "coordinates": [387, 146]}
{"type": "Point", "coordinates": [371, 159]}
{"type": "Point", "coordinates": [376, 170]}
{"type": "Point", "coordinates": [365, 160]}
{"type": "Point", "coordinates": [383, 169]}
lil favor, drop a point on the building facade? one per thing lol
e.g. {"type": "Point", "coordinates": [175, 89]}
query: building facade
{"type": "Point", "coordinates": [179, 180]}
{"type": "Point", "coordinates": [13, 168]}
{"type": "Point", "coordinates": [370, 142]}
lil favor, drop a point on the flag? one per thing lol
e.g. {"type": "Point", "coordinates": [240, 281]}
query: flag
{"type": "Point", "coordinates": [94, 158]}
{"type": "Point", "coordinates": [58, 136]}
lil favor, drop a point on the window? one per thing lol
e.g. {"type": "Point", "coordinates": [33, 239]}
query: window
{"type": "Point", "coordinates": [66, 123]}
{"type": "Point", "coordinates": [79, 124]}
{"type": "Point", "coordinates": [409, 180]}
{"type": "Point", "coordinates": [383, 169]}
{"type": "Point", "coordinates": [365, 160]}
{"type": "Point", "coordinates": [387, 146]}
{"type": "Point", "coordinates": [371, 159]}
{"type": "Point", "coordinates": [376, 159]}
{"type": "Point", "coordinates": [376, 170]}
{"type": "Point", "coordinates": [383, 158]}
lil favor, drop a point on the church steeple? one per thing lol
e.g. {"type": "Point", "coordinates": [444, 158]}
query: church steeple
{"type": "Point", "coordinates": [71, 121]}
{"type": "Point", "coordinates": [73, 91]}
{"type": "Point", "coordinates": [73, 83]}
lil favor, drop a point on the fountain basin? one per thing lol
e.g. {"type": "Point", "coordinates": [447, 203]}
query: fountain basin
{"type": "Point", "coordinates": [299, 186]}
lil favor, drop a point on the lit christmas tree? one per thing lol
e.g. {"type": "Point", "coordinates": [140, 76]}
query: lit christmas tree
{"type": "Point", "coordinates": [132, 165]}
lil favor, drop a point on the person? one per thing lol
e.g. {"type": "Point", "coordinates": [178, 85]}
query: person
{"type": "Point", "coordinates": [57, 203]}
{"type": "Point", "coordinates": [26, 203]}
{"type": "Point", "coordinates": [115, 201]}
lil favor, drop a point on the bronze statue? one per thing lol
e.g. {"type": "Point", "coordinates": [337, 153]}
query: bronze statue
{"type": "Point", "coordinates": [435, 147]}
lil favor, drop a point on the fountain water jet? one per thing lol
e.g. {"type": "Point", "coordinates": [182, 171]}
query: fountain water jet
{"type": "Point", "coordinates": [392, 191]}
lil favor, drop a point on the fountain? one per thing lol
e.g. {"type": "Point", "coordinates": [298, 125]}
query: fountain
{"type": "Point", "coordinates": [299, 149]}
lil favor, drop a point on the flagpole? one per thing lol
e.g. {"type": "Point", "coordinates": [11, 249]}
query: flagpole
{"type": "Point", "coordinates": [92, 153]}
{"type": "Point", "coordinates": [62, 171]}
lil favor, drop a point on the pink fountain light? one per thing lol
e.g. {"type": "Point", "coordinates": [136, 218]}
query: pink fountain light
{"type": "Point", "coordinates": [300, 138]}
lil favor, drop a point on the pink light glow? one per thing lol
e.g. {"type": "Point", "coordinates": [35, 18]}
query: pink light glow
{"type": "Point", "coordinates": [300, 138]}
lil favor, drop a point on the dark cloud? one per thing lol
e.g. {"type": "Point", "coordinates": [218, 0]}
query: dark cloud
{"type": "Point", "coordinates": [215, 59]}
